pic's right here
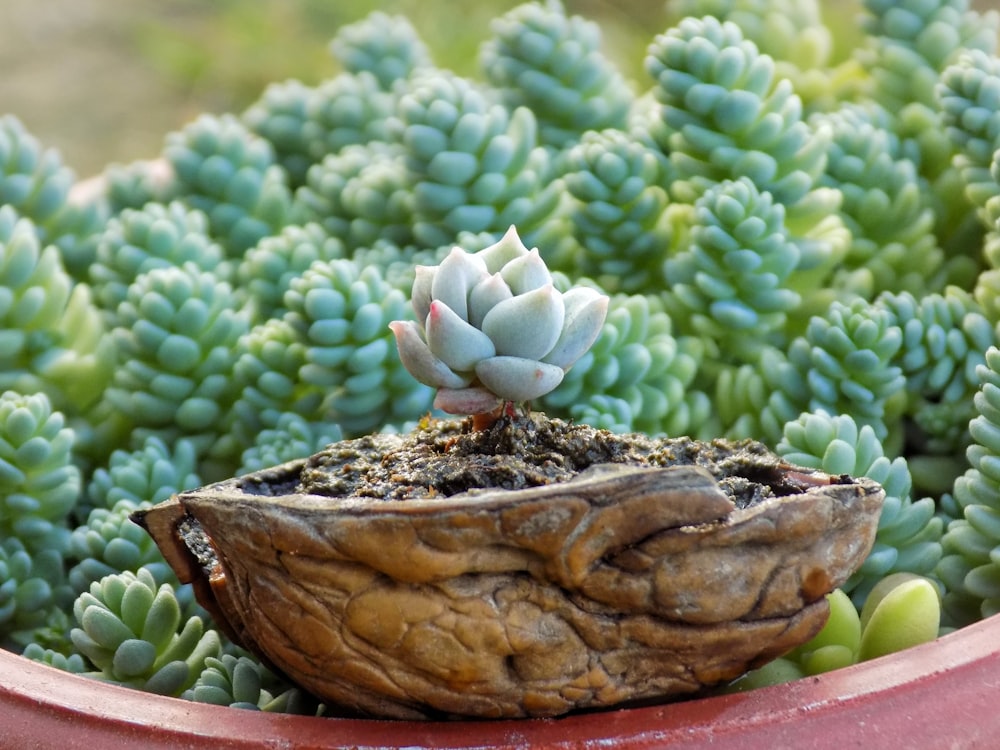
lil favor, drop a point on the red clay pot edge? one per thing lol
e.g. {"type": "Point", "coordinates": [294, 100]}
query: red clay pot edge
{"type": "Point", "coordinates": [938, 694]}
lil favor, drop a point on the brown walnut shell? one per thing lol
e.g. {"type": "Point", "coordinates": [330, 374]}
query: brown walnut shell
{"type": "Point", "coordinates": [626, 583]}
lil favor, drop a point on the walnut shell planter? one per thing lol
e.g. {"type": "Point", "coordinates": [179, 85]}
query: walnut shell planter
{"type": "Point", "coordinates": [673, 566]}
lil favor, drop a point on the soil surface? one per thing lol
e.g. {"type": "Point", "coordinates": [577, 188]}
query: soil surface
{"type": "Point", "coordinates": [446, 457]}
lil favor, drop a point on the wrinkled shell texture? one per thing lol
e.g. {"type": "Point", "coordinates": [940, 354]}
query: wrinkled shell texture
{"type": "Point", "coordinates": [635, 580]}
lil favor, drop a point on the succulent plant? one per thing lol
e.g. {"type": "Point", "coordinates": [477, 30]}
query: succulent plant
{"type": "Point", "coordinates": [908, 537]}
{"type": "Point", "coordinates": [136, 184]}
{"type": "Point", "coordinates": [281, 116]}
{"type": "Point", "coordinates": [33, 590]}
{"type": "Point", "coordinates": [52, 338]}
{"type": "Point", "coordinates": [491, 327]}
{"type": "Point", "coordinates": [130, 630]}
{"type": "Point", "coordinates": [292, 437]}
{"type": "Point", "coordinates": [304, 124]}
{"type": "Point", "coordinates": [150, 474]}
{"type": "Point", "coordinates": [239, 681]}
{"type": "Point", "coordinates": [225, 170]}
{"type": "Point", "coordinates": [176, 337]}
{"type": "Point", "coordinates": [339, 312]}
{"type": "Point", "coordinates": [139, 240]}
{"type": "Point", "coordinates": [969, 91]}
{"type": "Point", "coordinates": [945, 338]}
{"type": "Point", "coordinates": [618, 216]}
{"type": "Point", "coordinates": [110, 543]}
{"type": "Point", "coordinates": [266, 373]}
{"type": "Point", "coordinates": [721, 103]}
{"type": "Point", "coordinates": [850, 363]}
{"type": "Point", "coordinates": [637, 360]}
{"type": "Point", "coordinates": [360, 194]}
{"type": "Point", "coordinates": [474, 165]}
{"type": "Point", "coordinates": [605, 412]}
{"type": "Point", "coordinates": [910, 46]}
{"type": "Point", "coordinates": [913, 43]}
{"type": "Point", "coordinates": [893, 245]}
{"type": "Point", "coordinates": [35, 183]}
{"type": "Point", "coordinates": [726, 114]}
{"type": "Point", "coordinates": [969, 569]}
{"type": "Point", "coordinates": [73, 663]}
{"type": "Point", "coordinates": [266, 270]}
{"type": "Point", "coordinates": [731, 284]}
{"type": "Point", "coordinates": [552, 63]}
{"type": "Point", "coordinates": [791, 32]}
{"type": "Point", "coordinates": [39, 483]}
{"type": "Point", "coordinates": [381, 45]}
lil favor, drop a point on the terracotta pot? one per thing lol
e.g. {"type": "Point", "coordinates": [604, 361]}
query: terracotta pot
{"type": "Point", "coordinates": [941, 694]}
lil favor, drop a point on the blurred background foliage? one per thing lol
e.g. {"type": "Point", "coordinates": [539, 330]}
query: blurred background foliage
{"type": "Point", "coordinates": [104, 81]}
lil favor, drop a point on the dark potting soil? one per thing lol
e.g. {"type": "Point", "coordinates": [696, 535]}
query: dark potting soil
{"type": "Point", "coordinates": [447, 457]}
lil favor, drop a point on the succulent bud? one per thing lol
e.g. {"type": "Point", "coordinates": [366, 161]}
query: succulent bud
{"type": "Point", "coordinates": [491, 327]}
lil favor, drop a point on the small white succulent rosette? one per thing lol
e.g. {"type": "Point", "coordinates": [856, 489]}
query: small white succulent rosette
{"type": "Point", "coordinates": [491, 327]}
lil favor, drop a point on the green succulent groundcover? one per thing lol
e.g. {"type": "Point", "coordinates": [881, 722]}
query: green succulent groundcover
{"type": "Point", "coordinates": [795, 250]}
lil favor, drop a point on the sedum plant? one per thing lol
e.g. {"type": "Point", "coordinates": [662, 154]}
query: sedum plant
{"type": "Point", "coordinates": [791, 32]}
{"type": "Point", "coordinates": [731, 285]}
{"type": "Point", "coordinates": [33, 592]}
{"type": "Point", "coordinates": [292, 437]}
{"type": "Point", "coordinates": [637, 364]}
{"type": "Point", "coordinates": [110, 543]}
{"type": "Point", "coordinates": [725, 114]}
{"type": "Point", "coordinates": [52, 338]}
{"type": "Point", "coordinates": [131, 630]}
{"type": "Point", "coordinates": [386, 47]}
{"type": "Point", "coordinates": [893, 246]}
{"type": "Point", "coordinates": [139, 240]}
{"type": "Point", "coordinates": [241, 682]}
{"type": "Point", "coordinates": [176, 334]}
{"type": "Point", "coordinates": [39, 483]}
{"type": "Point", "coordinates": [969, 569]}
{"type": "Point", "coordinates": [618, 217]}
{"type": "Point", "coordinates": [765, 235]}
{"type": "Point", "coordinates": [222, 168]}
{"type": "Point", "coordinates": [908, 535]}
{"type": "Point", "coordinates": [36, 184]}
{"type": "Point", "coordinates": [540, 58]}
{"type": "Point", "coordinates": [360, 195]}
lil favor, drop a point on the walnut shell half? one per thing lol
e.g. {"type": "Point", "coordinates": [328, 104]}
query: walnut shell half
{"type": "Point", "coordinates": [626, 583]}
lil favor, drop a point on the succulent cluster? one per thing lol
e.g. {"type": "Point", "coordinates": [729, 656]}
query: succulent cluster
{"type": "Point", "coordinates": [131, 630]}
{"type": "Point", "coordinates": [763, 237]}
{"type": "Point", "coordinates": [909, 533]}
{"type": "Point", "coordinates": [491, 327]}
{"type": "Point", "coordinates": [239, 681]}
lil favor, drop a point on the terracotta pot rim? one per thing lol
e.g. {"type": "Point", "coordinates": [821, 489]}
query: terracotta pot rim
{"type": "Point", "coordinates": [937, 691]}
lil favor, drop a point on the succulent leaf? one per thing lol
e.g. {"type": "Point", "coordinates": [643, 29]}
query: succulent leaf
{"type": "Point", "coordinates": [517, 378]}
{"type": "Point", "coordinates": [472, 400]}
{"type": "Point", "coordinates": [585, 311]}
{"type": "Point", "coordinates": [418, 359]}
{"type": "Point", "coordinates": [486, 295]}
{"type": "Point", "coordinates": [458, 343]}
{"type": "Point", "coordinates": [454, 279]}
{"type": "Point", "coordinates": [505, 324]}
